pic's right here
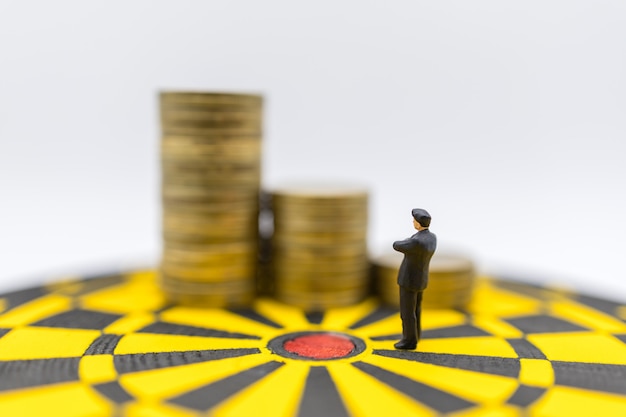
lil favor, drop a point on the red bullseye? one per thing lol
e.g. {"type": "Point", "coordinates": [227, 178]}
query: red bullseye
{"type": "Point", "coordinates": [320, 346]}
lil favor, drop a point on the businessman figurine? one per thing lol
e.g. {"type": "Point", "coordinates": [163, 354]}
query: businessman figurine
{"type": "Point", "coordinates": [413, 277]}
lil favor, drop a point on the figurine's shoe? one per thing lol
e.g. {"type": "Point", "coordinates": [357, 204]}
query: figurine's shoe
{"type": "Point", "coordinates": [406, 344]}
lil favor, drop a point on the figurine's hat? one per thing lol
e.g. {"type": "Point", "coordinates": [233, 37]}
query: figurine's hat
{"type": "Point", "coordinates": [421, 216]}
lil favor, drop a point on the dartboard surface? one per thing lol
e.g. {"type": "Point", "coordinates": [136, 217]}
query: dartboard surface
{"type": "Point", "coordinates": [112, 346]}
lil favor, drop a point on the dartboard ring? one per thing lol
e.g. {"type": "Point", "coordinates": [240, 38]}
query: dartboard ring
{"type": "Point", "coordinates": [317, 345]}
{"type": "Point", "coordinates": [113, 346]}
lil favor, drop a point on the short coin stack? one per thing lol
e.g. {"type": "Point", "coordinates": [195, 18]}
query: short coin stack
{"type": "Point", "coordinates": [211, 161]}
{"type": "Point", "coordinates": [319, 247]}
{"type": "Point", "coordinates": [450, 283]}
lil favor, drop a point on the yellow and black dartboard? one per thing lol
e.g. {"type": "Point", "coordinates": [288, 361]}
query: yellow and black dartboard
{"type": "Point", "coordinates": [112, 346]}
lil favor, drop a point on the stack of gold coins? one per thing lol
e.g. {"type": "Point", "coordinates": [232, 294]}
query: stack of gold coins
{"type": "Point", "coordinates": [319, 246]}
{"type": "Point", "coordinates": [450, 283]}
{"type": "Point", "coordinates": [211, 166]}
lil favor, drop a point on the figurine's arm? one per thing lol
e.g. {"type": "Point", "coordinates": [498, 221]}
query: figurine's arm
{"type": "Point", "coordinates": [404, 246]}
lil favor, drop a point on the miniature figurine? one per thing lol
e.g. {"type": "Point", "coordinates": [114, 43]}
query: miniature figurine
{"type": "Point", "coordinates": [413, 277]}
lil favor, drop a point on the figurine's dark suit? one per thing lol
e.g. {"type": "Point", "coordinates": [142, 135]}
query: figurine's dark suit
{"type": "Point", "coordinates": [413, 279]}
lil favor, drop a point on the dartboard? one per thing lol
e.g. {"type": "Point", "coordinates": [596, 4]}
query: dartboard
{"type": "Point", "coordinates": [113, 346]}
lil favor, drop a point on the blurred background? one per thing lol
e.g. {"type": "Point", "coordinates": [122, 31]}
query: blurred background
{"type": "Point", "coordinates": [506, 120]}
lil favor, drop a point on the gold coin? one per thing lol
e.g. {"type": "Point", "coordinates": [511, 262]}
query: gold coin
{"type": "Point", "coordinates": [249, 208]}
{"type": "Point", "coordinates": [320, 244]}
{"type": "Point", "coordinates": [240, 246]}
{"type": "Point", "coordinates": [206, 166]}
{"type": "Point", "coordinates": [210, 292]}
{"type": "Point", "coordinates": [216, 235]}
{"type": "Point", "coordinates": [198, 258]}
{"type": "Point", "coordinates": [334, 296]}
{"type": "Point", "coordinates": [220, 100]}
{"type": "Point", "coordinates": [435, 281]}
{"type": "Point", "coordinates": [210, 131]}
{"type": "Point", "coordinates": [320, 239]}
{"type": "Point", "coordinates": [319, 213]}
{"type": "Point", "coordinates": [321, 282]}
{"type": "Point", "coordinates": [329, 236]}
{"type": "Point", "coordinates": [308, 222]}
{"type": "Point", "coordinates": [177, 114]}
{"type": "Point", "coordinates": [322, 279]}
{"type": "Point", "coordinates": [450, 284]}
{"type": "Point", "coordinates": [239, 214]}
{"type": "Point", "coordinates": [183, 283]}
{"type": "Point", "coordinates": [241, 181]}
{"type": "Point", "coordinates": [207, 205]}
{"type": "Point", "coordinates": [227, 141]}
{"type": "Point", "coordinates": [175, 286]}
{"type": "Point", "coordinates": [211, 167]}
{"type": "Point", "coordinates": [305, 227]}
{"type": "Point", "coordinates": [225, 219]}
{"type": "Point", "coordinates": [219, 220]}
{"type": "Point", "coordinates": [212, 273]}
{"type": "Point", "coordinates": [214, 301]}
{"type": "Point", "coordinates": [322, 207]}
{"type": "Point", "coordinates": [204, 161]}
{"type": "Point", "coordinates": [175, 172]}
{"type": "Point", "coordinates": [238, 150]}
{"type": "Point", "coordinates": [313, 268]}
{"type": "Point", "coordinates": [306, 261]}
{"type": "Point", "coordinates": [303, 251]}
{"type": "Point", "coordinates": [210, 194]}
{"type": "Point", "coordinates": [318, 286]}
{"type": "Point", "coordinates": [316, 213]}
{"type": "Point", "coordinates": [169, 124]}
{"type": "Point", "coordinates": [323, 191]}
{"type": "Point", "coordinates": [440, 263]}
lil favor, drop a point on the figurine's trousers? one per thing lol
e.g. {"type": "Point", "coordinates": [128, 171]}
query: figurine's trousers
{"type": "Point", "coordinates": [411, 313]}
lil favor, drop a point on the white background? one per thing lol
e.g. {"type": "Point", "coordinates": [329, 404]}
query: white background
{"type": "Point", "coordinates": [505, 119]}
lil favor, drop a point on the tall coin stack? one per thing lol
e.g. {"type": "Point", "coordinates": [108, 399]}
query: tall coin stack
{"type": "Point", "coordinates": [319, 246]}
{"type": "Point", "coordinates": [211, 166]}
{"type": "Point", "coordinates": [450, 280]}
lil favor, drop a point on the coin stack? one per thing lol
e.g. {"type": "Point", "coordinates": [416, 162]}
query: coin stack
{"type": "Point", "coordinates": [319, 246]}
{"type": "Point", "coordinates": [211, 160]}
{"type": "Point", "coordinates": [450, 283]}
